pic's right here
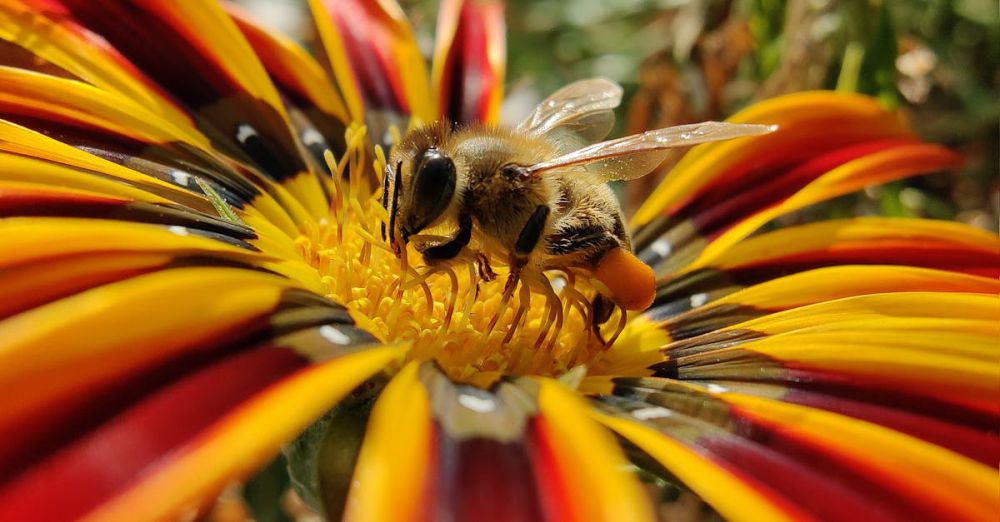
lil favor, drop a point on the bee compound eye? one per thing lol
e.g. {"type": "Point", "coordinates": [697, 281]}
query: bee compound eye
{"type": "Point", "coordinates": [433, 188]}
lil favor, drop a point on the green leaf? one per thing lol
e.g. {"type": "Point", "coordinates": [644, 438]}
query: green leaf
{"type": "Point", "coordinates": [263, 492]}
{"type": "Point", "coordinates": [877, 76]}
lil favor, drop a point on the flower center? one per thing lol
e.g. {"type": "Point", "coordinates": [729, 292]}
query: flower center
{"type": "Point", "coordinates": [473, 328]}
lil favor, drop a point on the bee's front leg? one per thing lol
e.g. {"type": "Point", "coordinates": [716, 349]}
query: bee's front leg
{"type": "Point", "coordinates": [486, 272]}
{"type": "Point", "coordinates": [453, 247]}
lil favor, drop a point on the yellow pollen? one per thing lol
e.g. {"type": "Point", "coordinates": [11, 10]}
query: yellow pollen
{"type": "Point", "coordinates": [449, 314]}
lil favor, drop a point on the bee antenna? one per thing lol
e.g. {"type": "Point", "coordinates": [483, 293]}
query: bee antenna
{"type": "Point", "coordinates": [395, 202]}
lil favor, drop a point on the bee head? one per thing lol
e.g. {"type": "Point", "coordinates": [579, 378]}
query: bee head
{"type": "Point", "coordinates": [417, 192]}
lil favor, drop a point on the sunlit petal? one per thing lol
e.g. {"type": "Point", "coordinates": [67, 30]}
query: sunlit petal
{"type": "Point", "coordinates": [826, 145]}
{"type": "Point", "coordinates": [376, 60]}
{"type": "Point", "coordinates": [812, 286]}
{"type": "Point", "coordinates": [189, 438]}
{"type": "Point", "coordinates": [469, 60]}
{"type": "Point", "coordinates": [792, 458]}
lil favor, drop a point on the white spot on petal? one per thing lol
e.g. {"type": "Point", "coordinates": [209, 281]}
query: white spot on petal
{"type": "Point", "coordinates": [245, 132]}
{"type": "Point", "coordinates": [662, 247]}
{"type": "Point", "coordinates": [312, 137]}
{"type": "Point", "coordinates": [652, 412]}
{"type": "Point", "coordinates": [482, 404]}
{"type": "Point", "coordinates": [181, 178]}
{"type": "Point", "coordinates": [335, 336]}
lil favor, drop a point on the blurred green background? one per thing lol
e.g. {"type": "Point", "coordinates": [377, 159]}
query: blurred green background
{"type": "Point", "coordinates": [682, 61]}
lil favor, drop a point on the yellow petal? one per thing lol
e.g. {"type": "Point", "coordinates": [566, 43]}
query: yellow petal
{"type": "Point", "coordinates": [804, 119]}
{"type": "Point", "coordinates": [244, 440]}
{"type": "Point", "coordinates": [727, 493]}
{"type": "Point", "coordinates": [391, 476]}
{"type": "Point", "coordinates": [607, 489]}
{"type": "Point", "coordinates": [971, 490]}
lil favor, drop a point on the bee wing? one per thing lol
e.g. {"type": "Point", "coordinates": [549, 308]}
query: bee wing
{"type": "Point", "coordinates": [579, 114]}
{"type": "Point", "coordinates": [635, 156]}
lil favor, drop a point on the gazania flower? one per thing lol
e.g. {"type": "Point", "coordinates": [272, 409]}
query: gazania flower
{"type": "Point", "coordinates": [188, 281]}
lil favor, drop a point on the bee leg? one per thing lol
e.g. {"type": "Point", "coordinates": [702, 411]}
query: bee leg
{"type": "Point", "coordinates": [512, 279]}
{"type": "Point", "coordinates": [601, 309]}
{"type": "Point", "coordinates": [527, 240]}
{"type": "Point", "coordinates": [452, 248]}
{"type": "Point", "coordinates": [486, 272]}
{"type": "Point", "coordinates": [531, 232]}
{"type": "Point", "coordinates": [508, 291]}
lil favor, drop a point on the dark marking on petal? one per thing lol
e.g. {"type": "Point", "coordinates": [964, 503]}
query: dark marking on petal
{"type": "Point", "coordinates": [710, 319]}
{"type": "Point", "coordinates": [484, 479]}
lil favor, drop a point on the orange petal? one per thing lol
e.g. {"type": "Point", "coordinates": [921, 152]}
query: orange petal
{"type": "Point", "coordinates": [176, 449]}
{"type": "Point", "coordinates": [469, 60]}
{"type": "Point", "coordinates": [891, 164]}
{"type": "Point", "coordinates": [810, 124]}
{"type": "Point", "coordinates": [375, 58]}
{"type": "Point", "coordinates": [586, 461]}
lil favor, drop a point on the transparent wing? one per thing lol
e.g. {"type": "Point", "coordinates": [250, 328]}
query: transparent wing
{"type": "Point", "coordinates": [635, 156]}
{"type": "Point", "coordinates": [578, 132]}
{"type": "Point", "coordinates": [576, 115]}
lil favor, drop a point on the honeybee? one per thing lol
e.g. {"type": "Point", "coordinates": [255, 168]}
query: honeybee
{"type": "Point", "coordinates": [537, 192]}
